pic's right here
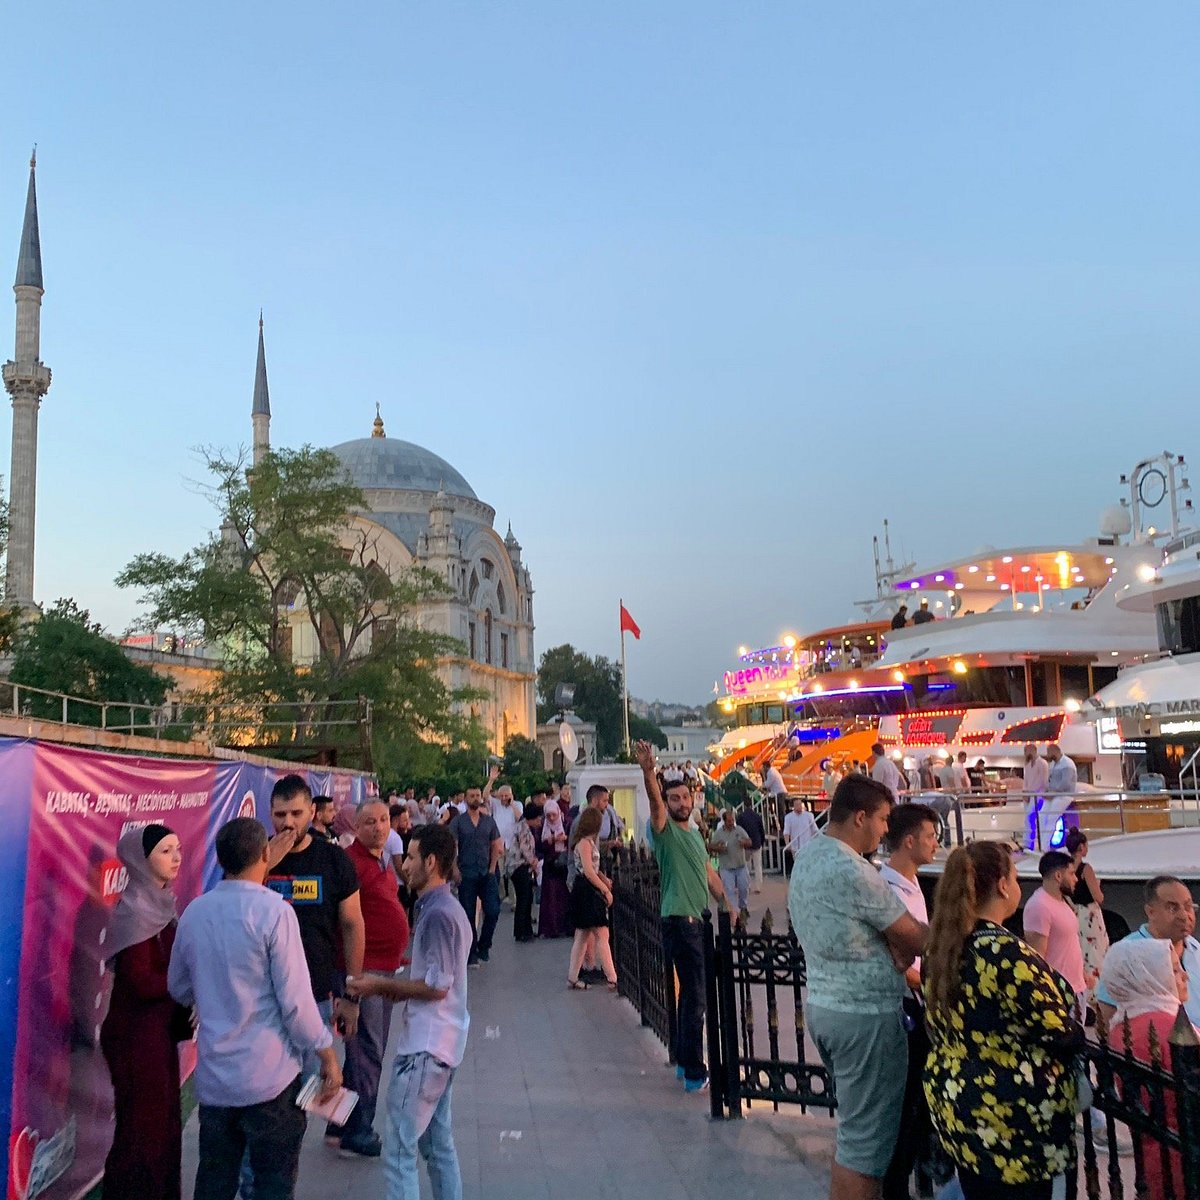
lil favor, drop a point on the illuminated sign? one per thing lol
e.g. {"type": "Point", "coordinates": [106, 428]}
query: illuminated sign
{"type": "Point", "coordinates": [1108, 731]}
{"type": "Point", "coordinates": [770, 673]}
{"type": "Point", "coordinates": [937, 729]}
{"type": "Point", "coordinates": [1179, 727]}
{"type": "Point", "coordinates": [804, 736]}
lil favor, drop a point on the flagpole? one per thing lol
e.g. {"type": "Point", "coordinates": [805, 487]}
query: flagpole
{"type": "Point", "coordinates": [625, 684]}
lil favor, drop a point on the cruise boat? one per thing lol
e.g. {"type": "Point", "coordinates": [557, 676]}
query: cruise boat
{"type": "Point", "coordinates": [1014, 642]}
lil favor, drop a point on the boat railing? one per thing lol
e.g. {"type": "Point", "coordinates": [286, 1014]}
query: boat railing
{"type": "Point", "coordinates": [1045, 819]}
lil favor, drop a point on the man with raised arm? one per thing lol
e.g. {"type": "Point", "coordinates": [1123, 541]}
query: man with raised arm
{"type": "Point", "coordinates": [686, 879]}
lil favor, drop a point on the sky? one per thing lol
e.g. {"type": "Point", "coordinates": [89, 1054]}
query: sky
{"type": "Point", "coordinates": [695, 294]}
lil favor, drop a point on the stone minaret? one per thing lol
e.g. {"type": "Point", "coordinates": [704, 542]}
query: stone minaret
{"type": "Point", "coordinates": [26, 379]}
{"type": "Point", "coordinates": [260, 410]}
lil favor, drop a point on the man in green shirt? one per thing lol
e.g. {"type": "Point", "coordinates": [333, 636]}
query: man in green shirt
{"type": "Point", "coordinates": [686, 878]}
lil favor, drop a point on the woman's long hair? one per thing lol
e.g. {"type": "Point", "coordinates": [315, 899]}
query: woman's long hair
{"type": "Point", "coordinates": [969, 880]}
{"type": "Point", "coordinates": [587, 824]}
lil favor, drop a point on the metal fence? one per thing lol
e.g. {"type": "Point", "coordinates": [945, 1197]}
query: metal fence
{"type": "Point", "coordinates": [758, 1052]}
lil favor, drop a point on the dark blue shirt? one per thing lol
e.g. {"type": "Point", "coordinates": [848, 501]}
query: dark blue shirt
{"type": "Point", "coordinates": [752, 823]}
{"type": "Point", "coordinates": [474, 843]}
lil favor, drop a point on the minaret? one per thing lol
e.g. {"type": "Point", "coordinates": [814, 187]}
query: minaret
{"type": "Point", "coordinates": [26, 379]}
{"type": "Point", "coordinates": [260, 410]}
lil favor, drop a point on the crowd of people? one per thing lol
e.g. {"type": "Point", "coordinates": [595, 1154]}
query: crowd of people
{"type": "Point", "coordinates": [957, 1025]}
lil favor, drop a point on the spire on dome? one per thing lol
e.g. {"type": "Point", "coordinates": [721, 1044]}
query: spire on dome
{"type": "Point", "coordinates": [29, 260]}
{"type": "Point", "coordinates": [262, 397]}
{"type": "Point", "coordinates": [377, 424]}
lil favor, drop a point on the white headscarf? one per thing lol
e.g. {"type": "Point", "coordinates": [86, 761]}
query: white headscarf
{"type": "Point", "coordinates": [552, 825]}
{"type": "Point", "coordinates": [1139, 977]}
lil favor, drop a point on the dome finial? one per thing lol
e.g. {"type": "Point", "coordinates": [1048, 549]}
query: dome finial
{"type": "Point", "coordinates": [377, 427]}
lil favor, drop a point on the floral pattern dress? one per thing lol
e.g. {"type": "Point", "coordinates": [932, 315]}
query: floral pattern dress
{"type": "Point", "coordinates": [1000, 1079]}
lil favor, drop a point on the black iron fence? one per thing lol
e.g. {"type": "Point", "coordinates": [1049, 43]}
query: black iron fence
{"type": "Point", "coordinates": [1148, 1144]}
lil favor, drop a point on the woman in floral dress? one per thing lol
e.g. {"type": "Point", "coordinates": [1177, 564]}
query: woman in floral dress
{"type": "Point", "coordinates": [1000, 1078]}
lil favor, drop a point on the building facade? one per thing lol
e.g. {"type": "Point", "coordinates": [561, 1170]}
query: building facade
{"type": "Point", "coordinates": [420, 512]}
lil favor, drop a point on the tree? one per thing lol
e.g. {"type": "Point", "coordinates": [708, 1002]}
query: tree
{"type": "Point", "coordinates": [598, 697]}
{"type": "Point", "coordinates": [66, 651]}
{"type": "Point", "coordinates": [292, 566]}
{"type": "Point", "coordinates": [642, 730]}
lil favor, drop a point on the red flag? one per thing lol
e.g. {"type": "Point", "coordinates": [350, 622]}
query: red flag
{"type": "Point", "coordinates": [628, 623]}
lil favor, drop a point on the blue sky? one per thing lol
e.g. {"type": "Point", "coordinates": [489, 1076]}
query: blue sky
{"type": "Point", "coordinates": [695, 294]}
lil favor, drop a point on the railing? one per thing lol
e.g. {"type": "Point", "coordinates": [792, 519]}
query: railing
{"type": "Point", "coordinates": [1158, 1102]}
{"type": "Point", "coordinates": [182, 721]}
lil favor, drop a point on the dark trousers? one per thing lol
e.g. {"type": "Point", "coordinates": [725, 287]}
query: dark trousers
{"type": "Point", "coordinates": [364, 1060]}
{"type": "Point", "coordinates": [789, 861]}
{"type": "Point", "coordinates": [270, 1133]}
{"type": "Point", "coordinates": [683, 952]}
{"type": "Point", "coordinates": [975, 1188]}
{"type": "Point", "coordinates": [471, 890]}
{"type": "Point", "coordinates": [915, 1125]}
{"type": "Point", "coordinates": [522, 881]}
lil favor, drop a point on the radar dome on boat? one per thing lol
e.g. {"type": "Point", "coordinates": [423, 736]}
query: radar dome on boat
{"type": "Point", "coordinates": [1115, 521]}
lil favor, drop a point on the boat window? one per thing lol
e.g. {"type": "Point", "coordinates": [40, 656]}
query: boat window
{"type": "Point", "coordinates": [774, 714]}
{"type": "Point", "coordinates": [1074, 678]}
{"type": "Point", "coordinates": [1103, 676]}
{"type": "Point", "coordinates": [1179, 625]}
{"type": "Point", "coordinates": [750, 714]}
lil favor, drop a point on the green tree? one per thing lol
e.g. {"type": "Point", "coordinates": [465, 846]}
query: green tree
{"type": "Point", "coordinates": [643, 730]}
{"type": "Point", "coordinates": [292, 564]}
{"type": "Point", "coordinates": [524, 767]}
{"type": "Point", "coordinates": [66, 651]}
{"type": "Point", "coordinates": [597, 682]}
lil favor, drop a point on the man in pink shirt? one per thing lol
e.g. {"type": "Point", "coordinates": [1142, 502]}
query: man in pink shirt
{"type": "Point", "coordinates": [1051, 926]}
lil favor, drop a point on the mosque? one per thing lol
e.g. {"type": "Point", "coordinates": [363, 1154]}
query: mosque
{"type": "Point", "coordinates": [419, 511]}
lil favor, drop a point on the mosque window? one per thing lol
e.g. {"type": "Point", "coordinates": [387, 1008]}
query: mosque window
{"type": "Point", "coordinates": [504, 650]}
{"type": "Point", "coordinates": [500, 599]}
{"type": "Point", "coordinates": [486, 566]}
{"type": "Point", "coordinates": [487, 637]}
{"type": "Point", "coordinates": [471, 639]}
{"type": "Point", "coordinates": [473, 586]}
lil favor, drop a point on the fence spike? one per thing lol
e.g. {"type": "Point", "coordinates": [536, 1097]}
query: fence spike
{"type": "Point", "coordinates": [1127, 1038]}
{"type": "Point", "coordinates": [1156, 1055]}
{"type": "Point", "coordinates": [1183, 1032]}
{"type": "Point", "coordinates": [768, 922]}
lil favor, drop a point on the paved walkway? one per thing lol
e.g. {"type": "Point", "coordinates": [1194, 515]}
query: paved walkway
{"type": "Point", "coordinates": [564, 1094]}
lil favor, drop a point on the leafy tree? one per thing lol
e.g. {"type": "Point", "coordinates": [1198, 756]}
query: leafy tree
{"type": "Point", "coordinates": [524, 767]}
{"type": "Point", "coordinates": [598, 698]}
{"type": "Point", "coordinates": [66, 651]}
{"type": "Point", "coordinates": [292, 567]}
{"type": "Point", "coordinates": [642, 730]}
{"type": "Point", "coordinates": [716, 715]}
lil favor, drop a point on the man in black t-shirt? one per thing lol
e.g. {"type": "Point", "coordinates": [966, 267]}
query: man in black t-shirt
{"type": "Point", "coordinates": [319, 881]}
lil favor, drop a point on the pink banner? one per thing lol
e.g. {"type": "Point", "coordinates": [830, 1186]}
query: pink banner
{"type": "Point", "coordinates": [82, 803]}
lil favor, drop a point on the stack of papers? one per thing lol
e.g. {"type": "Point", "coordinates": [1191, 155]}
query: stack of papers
{"type": "Point", "coordinates": [335, 1110]}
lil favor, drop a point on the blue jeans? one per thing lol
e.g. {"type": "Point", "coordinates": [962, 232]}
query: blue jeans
{"type": "Point", "coordinates": [418, 1117]}
{"type": "Point", "coordinates": [471, 890]}
{"type": "Point", "coordinates": [310, 1066]}
{"type": "Point", "coordinates": [736, 882]}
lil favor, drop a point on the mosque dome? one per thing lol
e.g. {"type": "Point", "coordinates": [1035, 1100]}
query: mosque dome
{"type": "Point", "coordinates": [381, 462]}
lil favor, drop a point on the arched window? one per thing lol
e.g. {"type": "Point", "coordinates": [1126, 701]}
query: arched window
{"type": "Point", "coordinates": [473, 586]}
{"type": "Point", "coordinates": [487, 567]}
{"type": "Point", "coordinates": [487, 637]}
{"type": "Point", "coordinates": [500, 599]}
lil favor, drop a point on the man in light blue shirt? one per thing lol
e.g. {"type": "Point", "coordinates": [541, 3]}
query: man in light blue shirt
{"type": "Point", "coordinates": [432, 1034]}
{"type": "Point", "coordinates": [239, 960]}
{"type": "Point", "coordinates": [1170, 916]}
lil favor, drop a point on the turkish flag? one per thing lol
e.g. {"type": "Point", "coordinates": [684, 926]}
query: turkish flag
{"type": "Point", "coordinates": [628, 623]}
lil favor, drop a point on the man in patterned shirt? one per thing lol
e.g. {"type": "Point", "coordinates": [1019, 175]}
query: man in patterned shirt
{"type": "Point", "coordinates": [858, 940]}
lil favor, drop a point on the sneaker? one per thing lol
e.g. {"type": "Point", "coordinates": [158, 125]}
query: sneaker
{"type": "Point", "coordinates": [484, 956]}
{"type": "Point", "coordinates": [361, 1145]}
{"type": "Point", "coordinates": [696, 1085]}
{"type": "Point", "coordinates": [473, 961]}
{"type": "Point", "coordinates": [678, 1072]}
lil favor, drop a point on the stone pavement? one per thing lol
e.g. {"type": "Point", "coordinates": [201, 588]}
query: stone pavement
{"type": "Point", "coordinates": [564, 1094]}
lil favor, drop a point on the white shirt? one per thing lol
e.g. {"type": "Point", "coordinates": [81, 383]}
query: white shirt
{"type": "Point", "coordinates": [830, 782]}
{"type": "Point", "coordinates": [962, 781]}
{"type": "Point", "coordinates": [884, 771]}
{"type": "Point", "coordinates": [948, 777]}
{"type": "Point", "coordinates": [910, 892]}
{"type": "Point", "coordinates": [1036, 775]}
{"type": "Point", "coordinates": [1064, 777]}
{"type": "Point", "coordinates": [673, 775]}
{"type": "Point", "coordinates": [773, 782]}
{"type": "Point", "coordinates": [392, 848]}
{"type": "Point", "coordinates": [505, 816]}
{"type": "Point", "coordinates": [799, 828]}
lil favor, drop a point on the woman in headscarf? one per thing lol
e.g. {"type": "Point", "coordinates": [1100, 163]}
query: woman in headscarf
{"type": "Point", "coordinates": [144, 1025]}
{"type": "Point", "coordinates": [1148, 985]}
{"type": "Point", "coordinates": [552, 849]}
